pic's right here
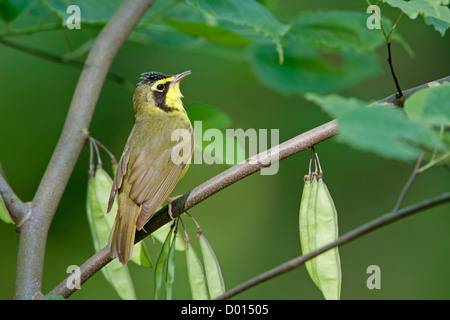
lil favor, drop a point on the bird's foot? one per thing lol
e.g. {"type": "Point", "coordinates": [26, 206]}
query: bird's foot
{"type": "Point", "coordinates": [169, 205]}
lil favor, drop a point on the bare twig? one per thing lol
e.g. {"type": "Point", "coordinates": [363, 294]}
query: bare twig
{"type": "Point", "coordinates": [434, 162]}
{"type": "Point", "coordinates": [110, 154]}
{"type": "Point", "coordinates": [408, 183]}
{"type": "Point", "coordinates": [355, 233]}
{"type": "Point", "coordinates": [391, 66]}
{"type": "Point", "coordinates": [388, 44]}
{"type": "Point", "coordinates": [34, 233]}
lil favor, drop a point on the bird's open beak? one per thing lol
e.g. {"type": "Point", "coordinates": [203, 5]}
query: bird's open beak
{"type": "Point", "coordinates": [178, 77]}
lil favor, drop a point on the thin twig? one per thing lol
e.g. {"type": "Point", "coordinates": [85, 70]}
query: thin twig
{"type": "Point", "coordinates": [186, 236]}
{"type": "Point", "coordinates": [199, 230]}
{"type": "Point", "coordinates": [99, 158]}
{"type": "Point", "coordinates": [355, 233]}
{"type": "Point", "coordinates": [110, 154]}
{"type": "Point", "coordinates": [394, 26]}
{"type": "Point", "coordinates": [391, 66]}
{"type": "Point", "coordinates": [408, 183]}
{"type": "Point", "coordinates": [434, 162]}
{"type": "Point", "coordinates": [388, 43]}
{"type": "Point", "coordinates": [32, 30]}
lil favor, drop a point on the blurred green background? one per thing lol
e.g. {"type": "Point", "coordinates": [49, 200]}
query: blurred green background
{"type": "Point", "coordinates": [252, 225]}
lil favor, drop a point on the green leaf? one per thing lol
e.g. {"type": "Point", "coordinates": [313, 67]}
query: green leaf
{"type": "Point", "coordinates": [212, 148]}
{"type": "Point", "coordinates": [4, 214]}
{"type": "Point", "coordinates": [435, 12]}
{"type": "Point", "coordinates": [11, 9]}
{"type": "Point", "coordinates": [161, 263]}
{"type": "Point", "coordinates": [234, 149]}
{"type": "Point", "coordinates": [328, 264]}
{"type": "Point", "coordinates": [197, 279]}
{"type": "Point", "coordinates": [430, 105]}
{"type": "Point", "coordinates": [115, 273]}
{"type": "Point", "coordinates": [307, 242]}
{"type": "Point", "coordinates": [308, 69]}
{"type": "Point", "coordinates": [80, 51]}
{"type": "Point", "coordinates": [100, 226]}
{"type": "Point", "coordinates": [161, 234]}
{"type": "Point", "coordinates": [162, 35]}
{"type": "Point", "coordinates": [209, 124]}
{"type": "Point", "coordinates": [119, 277]}
{"type": "Point", "coordinates": [177, 10]}
{"type": "Point", "coordinates": [211, 117]}
{"type": "Point", "coordinates": [213, 34]}
{"type": "Point", "coordinates": [336, 105]}
{"type": "Point", "coordinates": [89, 10]}
{"type": "Point", "coordinates": [141, 256]}
{"type": "Point", "coordinates": [54, 298]}
{"type": "Point", "coordinates": [336, 30]}
{"type": "Point", "coordinates": [170, 272]}
{"type": "Point", "coordinates": [249, 14]}
{"type": "Point", "coordinates": [216, 285]}
{"type": "Point", "coordinates": [380, 129]}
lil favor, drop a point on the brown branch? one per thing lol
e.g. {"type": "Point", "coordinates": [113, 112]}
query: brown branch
{"type": "Point", "coordinates": [34, 232]}
{"type": "Point", "coordinates": [288, 148]}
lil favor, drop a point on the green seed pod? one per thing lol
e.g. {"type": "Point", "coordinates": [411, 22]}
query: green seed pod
{"type": "Point", "coordinates": [162, 263]}
{"type": "Point", "coordinates": [318, 227]}
{"type": "Point", "coordinates": [216, 285]}
{"type": "Point", "coordinates": [196, 275]}
{"type": "Point", "coordinates": [327, 264]}
{"type": "Point", "coordinates": [306, 223]}
{"type": "Point", "coordinates": [116, 274]}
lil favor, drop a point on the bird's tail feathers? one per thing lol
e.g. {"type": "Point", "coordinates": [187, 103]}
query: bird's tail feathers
{"type": "Point", "coordinates": [124, 229]}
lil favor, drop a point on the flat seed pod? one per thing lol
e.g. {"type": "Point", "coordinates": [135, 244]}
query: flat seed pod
{"type": "Point", "coordinates": [170, 272]}
{"type": "Point", "coordinates": [103, 185]}
{"type": "Point", "coordinates": [115, 273]}
{"type": "Point", "coordinates": [120, 279]}
{"type": "Point", "coordinates": [311, 231]}
{"type": "Point", "coordinates": [216, 285]}
{"type": "Point", "coordinates": [141, 256]}
{"type": "Point", "coordinates": [161, 263]}
{"type": "Point", "coordinates": [161, 234]}
{"type": "Point", "coordinates": [327, 264]}
{"type": "Point", "coordinates": [197, 279]}
{"type": "Point", "coordinates": [303, 221]}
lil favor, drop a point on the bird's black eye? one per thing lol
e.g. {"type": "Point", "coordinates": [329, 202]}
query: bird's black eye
{"type": "Point", "coordinates": [160, 87]}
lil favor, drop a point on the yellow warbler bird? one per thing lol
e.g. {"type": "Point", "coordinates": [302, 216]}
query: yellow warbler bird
{"type": "Point", "coordinates": [154, 159]}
